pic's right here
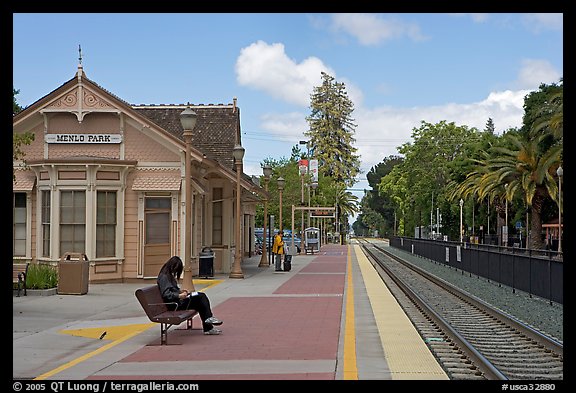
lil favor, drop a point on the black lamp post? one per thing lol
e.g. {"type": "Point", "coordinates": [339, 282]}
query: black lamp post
{"type": "Point", "coordinates": [237, 267]}
{"type": "Point", "coordinates": [267, 170]}
{"type": "Point", "coordinates": [188, 120]}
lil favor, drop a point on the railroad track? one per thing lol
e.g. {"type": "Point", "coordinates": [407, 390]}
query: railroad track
{"type": "Point", "coordinates": [470, 338]}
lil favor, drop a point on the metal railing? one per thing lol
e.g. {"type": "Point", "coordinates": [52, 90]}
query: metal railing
{"type": "Point", "coordinates": [537, 272]}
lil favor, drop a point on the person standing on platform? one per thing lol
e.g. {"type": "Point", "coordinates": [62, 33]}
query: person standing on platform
{"type": "Point", "coordinates": [278, 250]}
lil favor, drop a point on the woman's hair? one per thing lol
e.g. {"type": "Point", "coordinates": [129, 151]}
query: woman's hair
{"type": "Point", "coordinates": [173, 267]}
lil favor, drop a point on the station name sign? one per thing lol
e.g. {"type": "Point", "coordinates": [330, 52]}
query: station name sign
{"type": "Point", "coordinates": [322, 213]}
{"type": "Point", "coordinates": [83, 138]}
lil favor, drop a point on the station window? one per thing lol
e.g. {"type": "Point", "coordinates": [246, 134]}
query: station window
{"type": "Point", "coordinates": [106, 224]}
{"type": "Point", "coordinates": [157, 212]}
{"type": "Point", "coordinates": [217, 215]}
{"type": "Point", "coordinates": [19, 224]}
{"type": "Point", "coordinates": [46, 211]}
{"type": "Point", "coordinates": [72, 221]}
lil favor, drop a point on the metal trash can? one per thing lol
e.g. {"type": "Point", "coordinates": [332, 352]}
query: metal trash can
{"type": "Point", "coordinates": [206, 268]}
{"type": "Point", "coordinates": [73, 273]}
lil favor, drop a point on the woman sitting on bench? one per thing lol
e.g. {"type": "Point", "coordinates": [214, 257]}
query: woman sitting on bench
{"type": "Point", "coordinates": [171, 292]}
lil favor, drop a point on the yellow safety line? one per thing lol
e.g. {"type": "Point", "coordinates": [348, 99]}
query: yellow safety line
{"type": "Point", "coordinates": [87, 356]}
{"type": "Point", "coordinates": [112, 344]}
{"type": "Point", "coordinates": [350, 367]}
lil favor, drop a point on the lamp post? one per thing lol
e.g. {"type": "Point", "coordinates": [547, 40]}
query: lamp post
{"type": "Point", "coordinates": [560, 173]}
{"type": "Point", "coordinates": [281, 183]}
{"type": "Point", "coordinates": [314, 187]}
{"type": "Point", "coordinates": [188, 120]}
{"type": "Point", "coordinates": [461, 203]}
{"type": "Point", "coordinates": [267, 169]}
{"type": "Point", "coordinates": [237, 267]}
{"type": "Point", "coordinates": [303, 172]}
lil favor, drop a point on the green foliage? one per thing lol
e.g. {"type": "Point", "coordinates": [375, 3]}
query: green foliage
{"type": "Point", "coordinates": [41, 276]}
{"type": "Point", "coordinates": [15, 106]}
{"type": "Point", "coordinates": [18, 139]}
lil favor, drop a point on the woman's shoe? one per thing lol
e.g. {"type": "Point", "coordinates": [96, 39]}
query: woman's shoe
{"type": "Point", "coordinates": [213, 321]}
{"type": "Point", "coordinates": [213, 332]}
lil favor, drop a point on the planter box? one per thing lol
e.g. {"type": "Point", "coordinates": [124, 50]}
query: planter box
{"type": "Point", "coordinates": [37, 292]}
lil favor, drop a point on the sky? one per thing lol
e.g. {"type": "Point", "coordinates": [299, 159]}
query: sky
{"type": "Point", "coordinates": [399, 69]}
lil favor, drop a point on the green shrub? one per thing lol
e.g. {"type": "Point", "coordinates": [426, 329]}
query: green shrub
{"type": "Point", "coordinates": [41, 276]}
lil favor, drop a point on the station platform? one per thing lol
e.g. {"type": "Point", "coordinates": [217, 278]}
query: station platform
{"type": "Point", "coordinates": [329, 318]}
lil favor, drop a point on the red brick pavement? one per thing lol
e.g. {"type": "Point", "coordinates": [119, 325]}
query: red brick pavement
{"type": "Point", "coordinates": [266, 327]}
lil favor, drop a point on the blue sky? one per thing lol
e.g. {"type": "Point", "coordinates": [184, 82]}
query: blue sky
{"type": "Point", "coordinates": [399, 69]}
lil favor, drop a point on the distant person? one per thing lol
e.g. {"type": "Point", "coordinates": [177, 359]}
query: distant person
{"type": "Point", "coordinates": [186, 300]}
{"type": "Point", "coordinates": [278, 250]}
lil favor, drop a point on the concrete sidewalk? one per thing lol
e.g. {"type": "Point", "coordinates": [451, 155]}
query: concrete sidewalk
{"type": "Point", "coordinates": [51, 331]}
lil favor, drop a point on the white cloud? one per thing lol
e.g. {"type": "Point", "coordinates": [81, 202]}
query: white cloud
{"type": "Point", "coordinates": [371, 29]}
{"type": "Point", "coordinates": [533, 72]}
{"type": "Point", "coordinates": [382, 130]}
{"type": "Point", "coordinates": [266, 67]}
{"type": "Point", "coordinates": [287, 125]}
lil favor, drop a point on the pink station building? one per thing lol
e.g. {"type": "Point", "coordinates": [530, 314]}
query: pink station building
{"type": "Point", "coordinates": [108, 179]}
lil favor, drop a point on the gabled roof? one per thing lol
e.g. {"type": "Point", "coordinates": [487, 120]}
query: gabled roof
{"type": "Point", "coordinates": [216, 131]}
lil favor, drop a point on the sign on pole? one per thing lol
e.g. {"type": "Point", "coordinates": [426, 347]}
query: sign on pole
{"type": "Point", "coordinates": [303, 166]}
{"type": "Point", "coordinates": [322, 213]}
{"type": "Point", "coordinates": [314, 170]}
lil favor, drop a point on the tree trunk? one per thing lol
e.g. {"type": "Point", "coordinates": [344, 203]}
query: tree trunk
{"type": "Point", "coordinates": [500, 218]}
{"type": "Point", "coordinates": [536, 241]}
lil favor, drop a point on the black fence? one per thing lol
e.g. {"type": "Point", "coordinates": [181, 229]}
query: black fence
{"type": "Point", "coordinates": [537, 272]}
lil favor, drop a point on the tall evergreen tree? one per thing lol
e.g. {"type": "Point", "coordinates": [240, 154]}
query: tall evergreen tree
{"type": "Point", "coordinates": [331, 132]}
{"type": "Point", "coordinates": [490, 128]}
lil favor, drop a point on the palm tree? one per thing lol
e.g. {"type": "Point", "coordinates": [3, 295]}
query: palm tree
{"type": "Point", "coordinates": [551, 120]}
{"type": "Point", "coordinates": [346, 204]}
{"type": "Point", "coordinates": [480, 184]}
{"type": "Point", "coordinates": [527, 170]}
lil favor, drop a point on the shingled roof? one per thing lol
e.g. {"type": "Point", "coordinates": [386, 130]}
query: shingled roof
{"type": "Point", "coordinates": [217, 127]}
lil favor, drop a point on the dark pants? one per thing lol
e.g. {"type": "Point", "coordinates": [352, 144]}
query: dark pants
{"type": "Point", "coordinates": [201, 304]}
{"type": "Point", "coordinates": [278, 262]}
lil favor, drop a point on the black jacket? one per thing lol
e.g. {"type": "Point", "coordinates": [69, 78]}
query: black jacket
{"type": "Point", "coordinates": [168, 288]}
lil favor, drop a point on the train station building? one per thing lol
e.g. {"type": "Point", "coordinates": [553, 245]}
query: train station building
{"type": "Point", "coordinates": [108, 179]}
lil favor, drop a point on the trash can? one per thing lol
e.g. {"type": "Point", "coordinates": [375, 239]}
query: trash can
{"type": "Point", "coordinates": [73, 273]}
{"type": "Point", "coordinates": [206, 268]}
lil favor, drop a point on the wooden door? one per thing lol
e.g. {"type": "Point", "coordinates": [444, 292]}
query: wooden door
{"type": "Point", "coordinates": [156, 234]}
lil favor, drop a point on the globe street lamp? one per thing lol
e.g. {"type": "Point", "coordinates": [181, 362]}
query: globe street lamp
{"type": "Point", "coordinates": [188, 120]}
{"type": "Point", "coordinates": [238, 153]}
{"type": "Point", "coordinates": [560, 173]}
{"type": "Point", "coordinates": [281, 183]}
{"type": "Point", "coordinates": [267, 170]}
{"type": "Point", "coordinates": [461, 203]}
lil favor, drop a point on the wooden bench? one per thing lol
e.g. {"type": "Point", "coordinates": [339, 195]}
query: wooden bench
{"type": "Point", "coordinates": [19, 272]}
{"type": "Point", "coordinates": [158, 311]}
